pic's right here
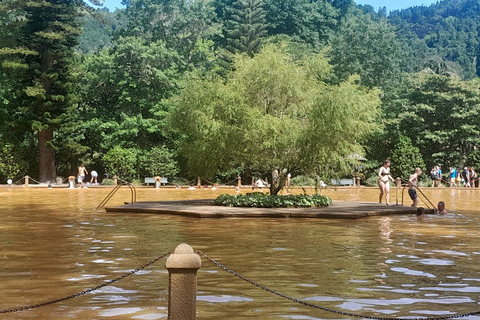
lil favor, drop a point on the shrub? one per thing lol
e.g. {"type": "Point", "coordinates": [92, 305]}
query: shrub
{"type": "Point", "coordinates": [262, 200]}
{"type": "Point", "coordinates": [372, 181]}
{"type": "Point", "coordinates": [121, 162]}
{"type": "Point", "coordinates": [302, 181]}
{"type": "Point", "coordinates": [180, 181]}
{"type": "Point", "coordinates": [107, 182]}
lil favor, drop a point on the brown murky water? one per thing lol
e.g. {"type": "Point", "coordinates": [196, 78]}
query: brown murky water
{"type": "Point", "coordinates": [54, 243]}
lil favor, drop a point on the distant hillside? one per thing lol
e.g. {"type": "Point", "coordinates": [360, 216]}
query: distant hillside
{"type": "Point", "coordinates": [444, 36]}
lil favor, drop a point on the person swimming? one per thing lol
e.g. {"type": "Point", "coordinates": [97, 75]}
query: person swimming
{"type": "Point", "coordinates": [420, 213]}
{"type": "Point", "coordinates": [441, 209]}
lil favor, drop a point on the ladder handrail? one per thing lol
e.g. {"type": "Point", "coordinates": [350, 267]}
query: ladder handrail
{"type": "Point", "coordinates": [423, 195]}
{"type": "Point", "coordinates": [133, 192]}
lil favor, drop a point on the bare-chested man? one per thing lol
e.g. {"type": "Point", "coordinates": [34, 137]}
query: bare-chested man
{"type": "Point", "coordinates": [82, 172]}
{"type": "Point", "coordinates": [412, 186]}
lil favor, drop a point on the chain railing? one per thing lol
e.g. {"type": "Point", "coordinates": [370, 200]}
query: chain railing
{"type": "Point", "coordinates": [181, 253]}
{"type": "Point", "coordinates": [311, 305]}
{"type": "Point", "coordinates": [84, 292]}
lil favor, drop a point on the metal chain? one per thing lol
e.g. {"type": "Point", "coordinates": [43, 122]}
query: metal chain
{"type": "Point", "coordinates": [308, 304]}
{"type": "Point", "coordinates": [81, 293]}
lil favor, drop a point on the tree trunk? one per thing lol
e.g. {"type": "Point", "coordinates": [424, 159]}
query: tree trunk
{"type": "Point", "coordinates": [46, 156]}
{"type": "Point", "coordinates": [277, 182]}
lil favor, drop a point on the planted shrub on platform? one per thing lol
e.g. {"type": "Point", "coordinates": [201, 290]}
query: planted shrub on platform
{"type": "Point", "coordinates": [262, 200]}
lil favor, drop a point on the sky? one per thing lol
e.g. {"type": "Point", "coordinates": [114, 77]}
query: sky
{"type": "Point", "coordinates": [390, 4]}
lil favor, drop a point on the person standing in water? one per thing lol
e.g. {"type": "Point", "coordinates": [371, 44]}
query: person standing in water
{"type": "Point", "coordinates": [384, 182]}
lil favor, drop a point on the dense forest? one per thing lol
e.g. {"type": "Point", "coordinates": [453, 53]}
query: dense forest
{"type": "Point", "coordinates": [221, 88]}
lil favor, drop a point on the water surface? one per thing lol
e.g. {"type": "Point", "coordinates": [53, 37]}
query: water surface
{"type": "Point", "coordinates": [55, 243]}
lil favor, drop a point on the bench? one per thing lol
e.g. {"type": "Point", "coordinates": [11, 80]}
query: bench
{"type": "Point", "coordinates": [149, 180]}
{"type": "Point", "coordinates": [342, 182]}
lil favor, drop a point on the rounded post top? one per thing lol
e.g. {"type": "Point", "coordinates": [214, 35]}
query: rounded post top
{"type": "Point", "coordinates": [183, 257]}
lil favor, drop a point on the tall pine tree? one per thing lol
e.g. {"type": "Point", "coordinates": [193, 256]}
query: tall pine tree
{"type": "Point", "coordinates": [43, 90]}
{"type": "Point", "coordinates": [247, 27]}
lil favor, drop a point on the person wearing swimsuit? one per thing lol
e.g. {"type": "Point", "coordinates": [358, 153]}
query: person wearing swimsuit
{"type": "Point", "coordinates": [384, 182]}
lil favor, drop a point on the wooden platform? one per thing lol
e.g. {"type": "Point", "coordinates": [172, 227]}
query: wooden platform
{"type": "Point", "coordinates": [206, 209]}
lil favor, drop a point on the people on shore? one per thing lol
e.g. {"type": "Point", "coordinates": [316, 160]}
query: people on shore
{"type": "Point", "coordinates": [466, 177]}
{"type": "Point", "coordinates": [94, 179]}
{"type": "Point", "coordinates": [412, 186]}
{"type": "Point", "coordinates": [384, 179]}
{"type": "Point", "coordinates": [453, 177]}
{"type": "Point", "coordinates": [436, 175]}
{"type": "Point", "coordinates": [82, 172]}
{"type": "Point", "coordinates": [473, 177]}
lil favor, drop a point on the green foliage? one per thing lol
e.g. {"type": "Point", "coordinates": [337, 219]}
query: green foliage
{"type": "Point", "coordinates": [107, 182]}
{"type": "Point", "coordinates": [302, 181]}
{"type": "Point", "coordinates": [262, 200]}
{"type": "Point", "coordinates": [41, 92]}
{"type": "Point", "coordinates": [159, 161]}
{"type": "Point", "coordinates": [439, 115]}
{"type": "Point", "coordinates": [179, 24]}
{"type": "Point", "coordinates": [442, 35]}
{"type": "Point", "coordinates": [273, 112]}
{"type": "Point", "coordinates": [180, 181]}
{"type": "Point", "coordinates": [121, 162]}
{"type": "Point", "coordinates": [97, 32]}
{"type": "Point", "coordinates": [311, 22]}
{"type": "Point", "coordinates": [405, 158]}
{"type": "Point", "coordinates": [368, 48]}
{"type": "Point", "coordinates": [473, 159]}
{"type": "Point", "coordinates": [10, 165]}
{"type": "Point", "coordinates": [247, 27]}
{"type": "Point", "coordinates": [372, 181]}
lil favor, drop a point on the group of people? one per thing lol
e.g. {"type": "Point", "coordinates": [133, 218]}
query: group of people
{"type": "Point", "coordinates": [466, 177]}
{"type": "Point", "coordinates": [82, 173]}
{"type": "Point", "coordinates": [384, 185]}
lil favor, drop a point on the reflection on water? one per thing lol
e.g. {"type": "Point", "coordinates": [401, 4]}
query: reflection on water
{"type": "Point", "coordinates": [54, 243]}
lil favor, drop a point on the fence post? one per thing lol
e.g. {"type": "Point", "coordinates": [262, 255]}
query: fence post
{"type": "Point", "coordinates": [239, 181]}
{"type": "Point", "coordinates": [357, 182]}
{"type": "Point", "coordinates": [398, 182]}
{"type": "Point", "coordinates": [199, 183]}
{"type": "Point", "coordinates": [157, 182]}
{"type": "Point", "coordinates": [478, 183]}
{"type": "Point", "coordinates": [26, 180]}
{"type": "Point", "coordinates": [182, 268]}
{"type": "Point", "coordinates": [115, 181]}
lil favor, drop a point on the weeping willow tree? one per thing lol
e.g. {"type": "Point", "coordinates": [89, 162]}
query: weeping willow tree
{"type": "Point", "coordinates": [274, 113]}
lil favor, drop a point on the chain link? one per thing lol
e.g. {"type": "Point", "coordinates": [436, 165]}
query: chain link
{"type": "Point", "coordinates": [81, 293]}
{"type": "Point", "coordinates": [308, 304]}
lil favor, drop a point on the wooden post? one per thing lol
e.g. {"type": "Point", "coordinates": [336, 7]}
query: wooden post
{"type": "Point", "coordinates": [27, 178]}
{"type": "Point", "coordinates": [182, 268]}
{"type": "Point", "coordinates": [157, 182]}
{"type": "Point", "coordinates": [199, 183]}
{"type": "Point", "coordinates": [115, 181]}
{"type": "Point", "coordinates": [239, 181]}
{"type": "Point", "coordinates": [253, 182]}
{"type": "Point", "coordinates": [358, 182]}
{"type": "Point", "coordinates": [398, 182]}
